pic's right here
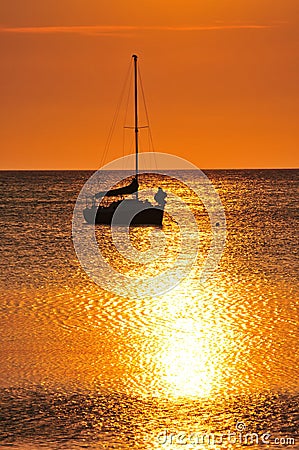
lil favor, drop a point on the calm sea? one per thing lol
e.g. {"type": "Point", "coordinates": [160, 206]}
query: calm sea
{"type": "Point", "coordinates": [206, 365]}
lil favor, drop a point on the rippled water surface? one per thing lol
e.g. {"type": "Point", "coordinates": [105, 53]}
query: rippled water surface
{"type": "Point", "coordinates": [85, 368]}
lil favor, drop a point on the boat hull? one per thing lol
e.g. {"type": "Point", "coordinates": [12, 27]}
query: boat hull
{"type": "Point", "coordinates": [130, 214]}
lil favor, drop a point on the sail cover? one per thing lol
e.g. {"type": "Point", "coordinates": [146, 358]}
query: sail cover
{"type": "Point", "coordinates": [126, 190]}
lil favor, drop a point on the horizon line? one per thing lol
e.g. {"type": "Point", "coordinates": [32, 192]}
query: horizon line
{"type": "Point", "coordinates": [153, 169]}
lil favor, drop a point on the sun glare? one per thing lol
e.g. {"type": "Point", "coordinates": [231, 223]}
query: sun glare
{"type": "Point", "coordinates": [192, 348]}
{"type": "Point", "coordinates": [187, 369]}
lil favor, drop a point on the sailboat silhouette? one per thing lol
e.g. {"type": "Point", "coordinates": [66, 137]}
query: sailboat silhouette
{"type": "Point", "coordinates": [132, 211]}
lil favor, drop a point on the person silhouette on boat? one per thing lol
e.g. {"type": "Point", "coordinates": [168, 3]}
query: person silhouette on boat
{"type": "Point", "coordinates": [160, 197]}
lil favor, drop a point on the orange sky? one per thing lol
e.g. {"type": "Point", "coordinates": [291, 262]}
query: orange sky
{"type": "Point", "coordinates": [221, 80]}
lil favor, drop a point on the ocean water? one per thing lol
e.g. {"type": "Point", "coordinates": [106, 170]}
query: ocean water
{"type": "Point", "coordinates": [205, 365]}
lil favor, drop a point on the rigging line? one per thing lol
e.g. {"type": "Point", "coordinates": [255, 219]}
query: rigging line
{"type": "Point", "coordinates": [126, 112]}
{"type": "Point", "coordinates": [115, 118]}
{"type": "Point", "coordinates": [126, 165]}
{"type": "Point", "coordinates": [133, 128]}
{"type": "Point", "coordinates": [147, 119]}
{"type": "Point", "coordinates": [126, 161]}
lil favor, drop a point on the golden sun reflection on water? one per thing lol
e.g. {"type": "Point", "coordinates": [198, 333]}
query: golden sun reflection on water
{"type": "Point", "coordinates": [85, 367]}
{"type": "Point", "coordinates": [186, 366]}
{"type": "Point", "coordinates": [185, 353]}
{"type": "Point", "coordinates": [189, 343]}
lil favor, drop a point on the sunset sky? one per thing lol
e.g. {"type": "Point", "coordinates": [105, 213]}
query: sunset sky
{"type": "Point", "coordinates": [221, 80]}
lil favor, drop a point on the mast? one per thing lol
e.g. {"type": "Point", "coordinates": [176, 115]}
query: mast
{"type": "Point", "coordinates": [136, 118]}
